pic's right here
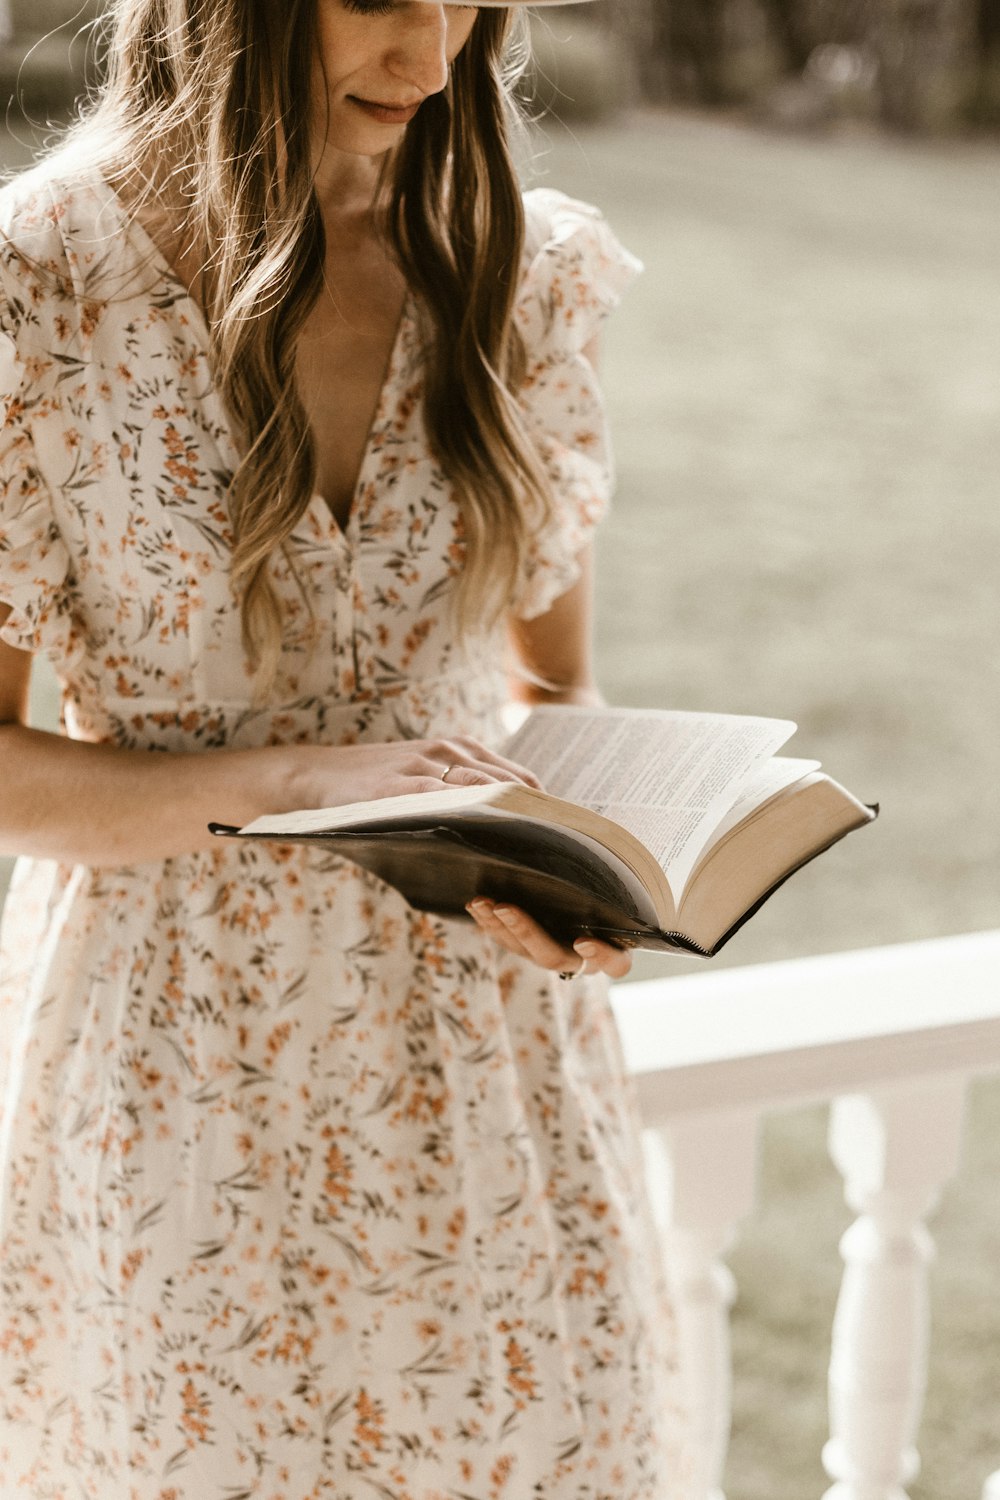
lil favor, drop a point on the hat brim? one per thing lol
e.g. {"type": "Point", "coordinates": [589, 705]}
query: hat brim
{"type": "Point", "coordinates": [507, 4]}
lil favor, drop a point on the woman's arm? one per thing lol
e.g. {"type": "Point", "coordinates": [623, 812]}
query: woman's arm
{"type": "Point", "coordinates": [554, 652]}
{"type": "Point", "coordinates": [553, 655]}
{"type": "Point", "coordinates": [101, 805]}
{"type": "Point", "coordinates": [554, 664]}
{"type": "Point", "coordinates": [554, 649]}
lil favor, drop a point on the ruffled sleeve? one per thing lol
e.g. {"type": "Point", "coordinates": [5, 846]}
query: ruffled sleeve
{"type": "Point", "coordinates": [34, 562]}
{"type": "Point", "coordinates": [576, 273]}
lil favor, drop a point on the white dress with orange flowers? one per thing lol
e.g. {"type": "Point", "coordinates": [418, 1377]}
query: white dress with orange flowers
{"type": "Point", "coordinates": [305, 1195]}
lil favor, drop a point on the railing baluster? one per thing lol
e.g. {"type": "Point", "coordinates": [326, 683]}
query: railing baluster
{"type": "Point", "coordinates": [895, 1149]}
{"type": "Point", "coordinates": [891, 1032]}
{"type": "Point", "coordinates": [702, 1175]}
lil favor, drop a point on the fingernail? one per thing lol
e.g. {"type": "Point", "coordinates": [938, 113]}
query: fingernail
{"type": "Point", "coordinates": [478, 908]}
{"type": "Point", "coordinates": [505, 913]}
{"type": "Point", "coordinates": [585, 948]}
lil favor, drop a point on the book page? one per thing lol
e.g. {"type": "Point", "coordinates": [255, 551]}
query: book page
{"type": "Point", "coordinates": [668, 777]}
{"type": "Point", "coordinates": [770, 778]}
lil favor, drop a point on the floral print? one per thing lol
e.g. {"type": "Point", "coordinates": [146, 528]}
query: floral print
{"type": "Point", "coordinates": [305, 1195]}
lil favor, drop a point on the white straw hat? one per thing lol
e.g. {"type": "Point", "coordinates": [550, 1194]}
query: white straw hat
{"type": "Point", "coordinates": [506, 4]}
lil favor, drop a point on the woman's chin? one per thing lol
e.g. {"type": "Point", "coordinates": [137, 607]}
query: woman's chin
{"type": "Point", "coordinates": [363, 137]}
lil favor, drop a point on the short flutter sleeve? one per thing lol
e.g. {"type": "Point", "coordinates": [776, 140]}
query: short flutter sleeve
{"type": "Point", "coordinates": [34, 561]}
{"type": "Point", "coordinates": [576, 273]}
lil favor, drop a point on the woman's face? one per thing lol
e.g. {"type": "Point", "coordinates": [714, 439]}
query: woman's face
{"type": "Point", "coordinates": [377, 62]}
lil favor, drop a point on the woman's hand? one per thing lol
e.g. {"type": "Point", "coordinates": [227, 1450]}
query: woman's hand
{"type": "Point", "coordinates": [102, 805]}
{"type": "Point", "coordinates": [331, 776]}
{"type": "Point", "coordinates": [514, 930]}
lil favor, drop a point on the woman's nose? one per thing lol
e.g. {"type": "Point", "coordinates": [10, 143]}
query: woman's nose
{"type": "Point", "coordinates": [419, 55]}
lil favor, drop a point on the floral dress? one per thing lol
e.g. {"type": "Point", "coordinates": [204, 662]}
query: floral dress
{"type": "Point", "coordinates": [304, 1194]}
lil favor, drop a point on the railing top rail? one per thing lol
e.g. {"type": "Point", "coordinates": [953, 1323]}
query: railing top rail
{"type": "Point", "coordinates": [811, 1028]}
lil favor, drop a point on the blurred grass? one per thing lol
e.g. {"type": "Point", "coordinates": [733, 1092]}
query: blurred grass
{"type": "Point", "coordinates": [805, 391]}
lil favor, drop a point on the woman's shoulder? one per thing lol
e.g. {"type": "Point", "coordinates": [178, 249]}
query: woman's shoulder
{"type": "Point", "coordinates": [551, 217]}
{"type": "Point", "coordinates": [42, 206]}
{"type": "Point", "coordinates": [575, 268]}
{"type": "Point", "coordinates": [55, 231]}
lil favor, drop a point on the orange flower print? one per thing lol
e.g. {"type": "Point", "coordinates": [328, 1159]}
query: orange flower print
{"type": "Point", "coordinates": [500, 1473]}
{"type": "Point", "coordinates": [300, 1183]}
{"type": "Point", "coordinates": [520, 1380]}
{"type": "Point", "coordinates": [195, 1413]}
{"type": "Point", "coordinates": [368, 1425]}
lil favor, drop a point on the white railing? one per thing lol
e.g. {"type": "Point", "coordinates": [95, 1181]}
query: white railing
{"type": "Point", "coordinates": [890, 1036]}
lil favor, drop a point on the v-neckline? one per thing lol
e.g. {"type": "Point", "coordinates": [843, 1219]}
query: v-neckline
{"type": "Point", "coordinates": [348, 530]}
{"type": "Point", "coordinates": [345, 534]}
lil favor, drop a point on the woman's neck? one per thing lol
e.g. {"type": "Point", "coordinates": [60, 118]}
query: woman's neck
{"type": "Point", "coordinates": [346, 187]}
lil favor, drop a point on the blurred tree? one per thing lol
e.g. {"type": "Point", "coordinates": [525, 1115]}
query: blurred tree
{"type": "Point", "coordinates": [581, 68]}
{"type": "Point", "coordinates": [800, 26]}
{"type": "Point", "coordinates": [50, 52]}
{"type": "Point", "coordinates": [921, 46]}
{"type": "Point", "coordinates": [643, 29]}
{"type": "Point", "coordinates": [697, 41]}
{"type": "Point", "coordinates": [984, 103]}
{"type": "Point", "coordinates": [790, 24]}
{"type": "Point", "coordinates": [988, 25]}
{"type": "Point", "coordinates": [689, 49]}
{"type": "Point", "coordinates": [679, 47]}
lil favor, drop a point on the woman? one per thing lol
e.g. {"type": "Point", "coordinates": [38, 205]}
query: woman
{"type": "Point", "coordinates": [305, 1194]}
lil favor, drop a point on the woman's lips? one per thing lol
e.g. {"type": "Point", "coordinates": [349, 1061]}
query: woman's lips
{"type": "Point", "coordinates": [387, 114]}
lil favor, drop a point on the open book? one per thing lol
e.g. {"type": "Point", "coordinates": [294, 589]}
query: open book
{"type": "Point", "coordinates": [656, 830]}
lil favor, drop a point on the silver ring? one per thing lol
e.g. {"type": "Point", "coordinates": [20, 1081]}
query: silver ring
{"type": "Point", "coordinates": [447, 773]}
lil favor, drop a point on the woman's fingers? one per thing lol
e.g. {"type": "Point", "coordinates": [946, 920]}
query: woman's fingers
{"type": "Point", "coordinates": [461, 762]}
{"type": "Point", "coordinates": [469, 755]}
{"type": "Point", "coordinates": [514, 930]}
{"type": "Point", "coordinates": [484, 913]}
{"type": "Point", "coordinates": [606, 959]}
{"type": "Point", "coordinates": [334, 776]}
{"type": "Point", "coordinates": [457, 775]}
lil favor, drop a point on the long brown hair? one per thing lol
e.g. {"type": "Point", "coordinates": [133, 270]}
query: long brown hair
{"type": "Point", "coordinates": [207, 106]}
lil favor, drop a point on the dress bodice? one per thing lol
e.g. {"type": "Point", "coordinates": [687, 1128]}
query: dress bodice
{"type": "Point", "coordinates": [117, 453]}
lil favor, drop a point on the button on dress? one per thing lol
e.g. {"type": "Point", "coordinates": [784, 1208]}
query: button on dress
{"type": "Point", "coordinates": [304, 1194]}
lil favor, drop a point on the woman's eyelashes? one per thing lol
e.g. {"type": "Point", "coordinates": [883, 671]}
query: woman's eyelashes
{"type": "Point", "coordinates": [383, 7]}
{"type": "Point", "coordinates": [369, 7]}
